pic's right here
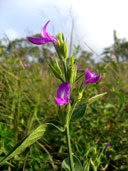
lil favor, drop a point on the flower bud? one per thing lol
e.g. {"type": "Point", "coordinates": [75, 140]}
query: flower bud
{"type": "Point", "coordinates": [72, 70]}
{"type": "Point", "coordinates": [80, 94]}
{"type": "Point", "coordinates": [61, 47]}
{"type": "Point", "coordinates": [55, 68]}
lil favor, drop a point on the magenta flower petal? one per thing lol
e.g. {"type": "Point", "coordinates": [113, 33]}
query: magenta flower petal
{"type": "Point", "coordinates": [86, 70]}
{"type": "Point", "coordinates": [22, 59]}
{"type": "Point", "coordinates": [91, 77]}
{"type": "Point", "coordinates": [88, 75]}
{"type": "Point", "coordinates": [63, 90]}
{"type": "Point", "coordinates": [43, 32]}
{"type": "Point", "coordinates": [45, 37]}
{"type": "Point", "coordinates": [62, 94]}
{"type": "Point", "coordinates": [25, 65]}
{"type": "Point", "coordinates": [94, 74]}
{"type": "Point", "coordinates": [38, 41]}
{"type": "Point", "coordinates": [113, 57]}
{"type": "Point", "coordinates": [78, 67]}
{"type": "Point", "coordinates": [59, 101]}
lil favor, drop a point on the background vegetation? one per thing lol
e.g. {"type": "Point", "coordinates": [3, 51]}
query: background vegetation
{"type": "Point", "coordinates": [27, 100]}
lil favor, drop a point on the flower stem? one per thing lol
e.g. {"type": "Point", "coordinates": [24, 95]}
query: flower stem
{"type": "Point", "coordinates": [65, 69]}
{"type": "Point", "coordinates": [69, 148]}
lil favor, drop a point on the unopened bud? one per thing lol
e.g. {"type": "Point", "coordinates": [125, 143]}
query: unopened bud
{"type": "Point", "coordinates": [55, 68]}
{"type": "Point", "coordinates": [80, 94]}
{"type": "Point", "coordinates": [72, 70]}
{"type": "Point", "coordinates": [61, 47]}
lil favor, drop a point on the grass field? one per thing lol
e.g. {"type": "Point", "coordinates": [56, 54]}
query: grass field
{"type": "Point", "coordinates": [99, 140]}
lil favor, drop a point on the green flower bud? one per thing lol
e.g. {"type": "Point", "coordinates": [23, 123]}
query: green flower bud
{"type": "Point", "coordinates": [65, 50]}
{"type": "Point", "coordinates": [72, 70]}
{"type": "Point", "coordinates": [55, 68]}
{"type": "Point", "coordinates": [61, 47]}
{"type": "Point", "coordinates": [80, 94]}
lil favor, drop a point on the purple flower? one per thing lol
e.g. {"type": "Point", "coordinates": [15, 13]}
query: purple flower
{"type": "Point", "coordinates": [90, 77]}
{"type": "Point", "coordinates": [113, 49]}
{"type": "Point", "coordinates": [78, 67]}
{"type": "Point", "coordinates": [114, 57]}
{"type": "Point", "coordinates": [45, 37]}
{"type": "Point", "coordinates": [25, 65]}
{"type": "Point", "coordinates": [62, 94]}
{"type": "Point", "coordinates": [108, 144]}
{"type": "Point", "coordinates": [22, 59]}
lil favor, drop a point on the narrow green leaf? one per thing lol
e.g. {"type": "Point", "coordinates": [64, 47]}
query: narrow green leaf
{"type": "Point", "coordinates": [9, 164]}
{"type": "Point", "coordinates": [78, 113]}
{"type": "Point", "coordinates": [94, 98]}
{"type": "Point", "coordinates": [25, 142]}
{"type": "Point", "coordinates": [87, 165]}
{"type": "Point", "coordinates": [76, 162]}
{"type": "Point", "coordinates": [56, 124]}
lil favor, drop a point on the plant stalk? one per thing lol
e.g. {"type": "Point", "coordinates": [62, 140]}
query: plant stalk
{"type": "Point", "coordinates": [69, 148]}
{"type": "Point", "coordinates": [65, 69]}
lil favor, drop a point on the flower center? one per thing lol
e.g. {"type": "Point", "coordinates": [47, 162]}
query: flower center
{"type": "Point", "coordinates": [92, 75]}
{"type": "Point", "coordinates": [62, 94]}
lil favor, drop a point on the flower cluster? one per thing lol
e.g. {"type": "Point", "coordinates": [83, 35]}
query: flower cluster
{"type": "Point", "coordinates": [61, 47]}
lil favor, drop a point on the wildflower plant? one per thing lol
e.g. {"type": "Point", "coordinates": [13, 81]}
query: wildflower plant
{"type": "Point", "coordinates": [70, 108]}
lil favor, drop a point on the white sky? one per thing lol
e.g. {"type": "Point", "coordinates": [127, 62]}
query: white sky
{"type": "Point", "coordinates": [94, 20]}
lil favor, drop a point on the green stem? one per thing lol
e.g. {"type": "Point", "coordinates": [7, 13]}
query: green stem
{"type": "Point", "coordinates": [69, 148]}
{"type": "Point", "coordinates": [65, 69]}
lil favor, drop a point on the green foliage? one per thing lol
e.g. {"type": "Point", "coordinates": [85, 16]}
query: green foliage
{"type": "Point", "coordinates": [78, 113]}
{"type": "Point", "coordinates": [56, 124]}
{"type": "Point", "coordinates": [76, 162]}
{"type": "Point", "coordinates": [25, 142]}
{"type": "Point", "coordinates": [27, 100]}
{"type": "Point", "coordinates": [92, 99]}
